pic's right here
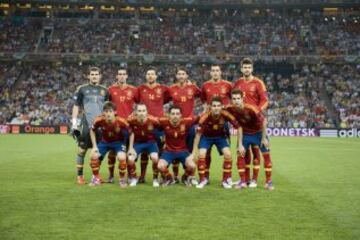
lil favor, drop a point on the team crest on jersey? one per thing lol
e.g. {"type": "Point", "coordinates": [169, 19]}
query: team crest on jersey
{"type": "Point", "coordinates": [117, 129]}
{"type": "Point", "coordinates": [175, 93]}
{"type": "Point", "coordinates": [129, 93]}
{"type": "Point", "coordinates": [150, 127]}
{"type": "Point", "coordinates": [222, 121]}
{"type": "Point", "coordinates": [190, 92]}
{"type": "Point", "coordinates": [222, 90]}
{"type": "Point", "coordinates": [253, 88]}
{"type": "Point", "coordinates": [115, 93]}
{"type": "Point", "coordinates": [247, 116]}
{"type": "Point", "coordinates": [102, 92]}
{"type": "Point", "coordinates": [182, 128]}
{"type": "Point", "coordinates": [215, 127]}
{"type": "Point", "coordinates": [158, 91]}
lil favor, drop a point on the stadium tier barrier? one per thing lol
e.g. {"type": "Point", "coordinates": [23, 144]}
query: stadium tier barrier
{"type": "Point", "coordinates": [271, 132]}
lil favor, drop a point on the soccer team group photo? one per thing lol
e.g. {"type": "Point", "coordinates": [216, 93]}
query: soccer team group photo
{"type": "Point", "coordinates": [179, 119]}
{"type": "Point", "coordinates": [130, 123]}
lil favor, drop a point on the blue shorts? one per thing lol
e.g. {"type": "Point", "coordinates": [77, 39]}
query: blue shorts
{"type": "Point", "coordinates": [254, 139]}
{"type": "Point", "coordinates": [219, 142]}
{"type": "Point", "coordinates": [148, 147]}
{"type": "Point", "coordinates": [170, 157]}
{"type": "Point", "coordinates": [117, 147]}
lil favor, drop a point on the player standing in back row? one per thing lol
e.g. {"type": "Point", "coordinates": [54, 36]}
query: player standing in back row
{"type": "Point", "coordinates": [215, 87]}
{"type": "Point", "coordinates": [154, 96]}
{"type": "Point", "coordinates": [255, 94]}
{"type": "Point", "coordinates": [124, 96]}
{"type": "Point", "coordinates": [183, 95]}
{"type": "Point", "coordinates": [90, 98]}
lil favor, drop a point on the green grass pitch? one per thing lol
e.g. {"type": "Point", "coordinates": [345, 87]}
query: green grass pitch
{"type": "Point", "coordinates": [317, 196]}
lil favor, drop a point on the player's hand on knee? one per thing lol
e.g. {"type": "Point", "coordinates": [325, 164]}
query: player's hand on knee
{"type": "Point", "coordinates": [241, 150]}
{"type": "Point", "coordinates": [121, 156]}
{"type": "Point", "coordinates": [190, 162]}
{"type": "Point", "coordinates": [265, 142]}
{"type": "Point", "coordinates": [132, 153]}
{"type": "Point", "coordinates": [94, 150]}
{"type": "Point", "coordinates": [162, 164]}
{"type": "Point", "coordinates": [95, 153]}
{"type": "Point", "coordinates": [154, 157]}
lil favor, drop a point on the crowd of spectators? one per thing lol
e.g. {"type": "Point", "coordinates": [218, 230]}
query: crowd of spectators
{"type": "Point", "coordinates": [217, 33]}
{"type": "Point", "coordinates": [19, 34]}
{"type": "Point", "coordinates": [343, 86]}
{"type": "Point", "coordinates": [199, 33]}
{"type": "Point", "coordinates": [295, 100]}
{"type": "Point", "coordinates": [42, 93]}
{"type": "Point", "coordinates": [45, 95]}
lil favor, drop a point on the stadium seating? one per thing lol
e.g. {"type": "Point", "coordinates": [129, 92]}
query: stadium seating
{"type": "Point", "coordinates": [41, 93]}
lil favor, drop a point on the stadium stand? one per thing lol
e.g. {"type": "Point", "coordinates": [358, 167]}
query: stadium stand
{"type": "Point", "coordinates": [317, 87]}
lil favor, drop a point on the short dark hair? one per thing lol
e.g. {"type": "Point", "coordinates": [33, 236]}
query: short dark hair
{"type": "Point", "coordinates": [215, 65]}
{"type": "Point", "coordinates": [246, 61]}
{"type": "Point", "coordinates": [174, 107]}
{"type": "Point", "coordinates": [216, 99]}
{"type": "Point", "coordinates": [139, 104]}
{"type": "Point", "coordinates": [122, 69]}
{"type": "Point", "coordinates": [181, 69]}
{"type": "Point", "coordinates": [94, 69]}
{"type": "Point", "coordinates": [109, 106]}
{"type": "Point", "coordinates": [237, 92]}
{"type": "Point", "coordinates": [152, 68]}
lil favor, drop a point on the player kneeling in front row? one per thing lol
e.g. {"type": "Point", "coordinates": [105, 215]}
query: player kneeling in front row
{"type": "Point", "coordinates": [113, 129]}
{"type": "Point", "coordinates": [252, 132]}
{"type": "Point", "coordinates": [143, 140]}
{"type": "Point", "coordinates": [211, 131]}
{"type": "Point", "coordinates": [176, 130]}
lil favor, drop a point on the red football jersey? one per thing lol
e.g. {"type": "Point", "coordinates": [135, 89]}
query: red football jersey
{"type": "Point", "coordinates": [112, 131]}
{"type": "Point", "coordinates": [249, 117]}
{"type": "Point", "coordinates": [211, 126]}
{"type": "Point", "coordinates": [175, 136]}
{"type": "Point", "coordinates": [184, 97]}
{"type": "Point", "coordinates": [220, 89]}
{"type": "Point", "coordinates": [143, 132]}
{"type": "Point", "coordinates": [154, 98]}
{"type": "Point", "coordinates": [124, 99]}
{"type": "Point", "coordinates": [255, 92]}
